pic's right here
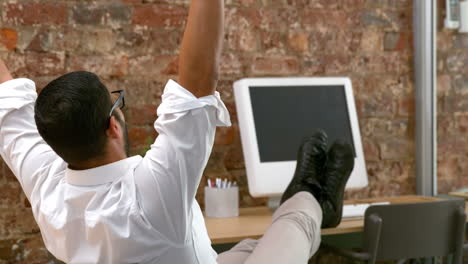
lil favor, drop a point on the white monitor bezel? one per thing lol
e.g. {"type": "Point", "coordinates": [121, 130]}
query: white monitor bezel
{"type": "Point", "coordinates": [260, 180]}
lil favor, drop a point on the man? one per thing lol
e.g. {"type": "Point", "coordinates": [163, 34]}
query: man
{"type": "Point", "coordinates": [94, 204]}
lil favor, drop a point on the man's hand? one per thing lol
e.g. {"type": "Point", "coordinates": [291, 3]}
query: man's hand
{"type": "Point", "coordinates": [4, 73]}
{"type": "Point", "coordinates": [201, 47]}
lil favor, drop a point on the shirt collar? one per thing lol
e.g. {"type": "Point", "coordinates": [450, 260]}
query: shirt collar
{"type": "Point", "coordinates": [100, 175]}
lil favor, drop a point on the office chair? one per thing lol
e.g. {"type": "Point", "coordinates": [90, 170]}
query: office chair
{"type": "Point", "coordinates": [411, 231]}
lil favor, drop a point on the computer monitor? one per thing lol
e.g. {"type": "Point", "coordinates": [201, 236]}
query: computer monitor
{"type": "Point", "coordinates": [276, 114]}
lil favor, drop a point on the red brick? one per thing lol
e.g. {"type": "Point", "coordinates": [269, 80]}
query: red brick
{"type": "Point", "coordinates": [8, 175]}
{"type": "Point", "coordinates": [7, 251]}
{"type": "Point", "coordinates": [149, 65]}
{"type": "Point", "coordinates": [372, 41]}
{"type": "Point", "coordinates": [313, 66]}
{"type": "Point", "coordinates": [451, 175]}
{"type": "Point", "coordinates": [443, 83]}
{"type": "Point", "coordinates": [389, 62]}
{"type": "Point", "coordinates": [322, 20]}
{"type": "Point", "coordinates": [461, 41]}
{"type": "Point", "coordinates": [460, 83]}
{"type": "Point", "coordinates": [242, 19]}
{"type": "Point", "coordinates": [457, 62]}
{"type": "Point", "coordinates": [394, 20]}
{"type": "Point", "coordinates": [34, 250]}
{"type": "Point", "coordinates": [390, 178]}
{"type": "Point", "coordinates": [116, 14]}
{"type": "Point", "coordinates": [388, 4]}
{"type": "Point", "coordinates": [462, 124]}
{"type": "Point", "coordinates": [17, 222]}
{"type": "Point", "coordinates": [110, 65]}
{"type": "Point", "coordinates": [275, 66]}
{"type": "Point", "coordinates": [397, 41]}
{"type": "Point", "coordinates": [231, 64]}
{"type": "Point", "coordinates": [85, 41]}
{"type": "Point", "coordinates": [10, 195]}
{"type": "Point", "coordinates": [241, 40]}
{"type": "Point", "coordinates": [455, 102]}
{"type": "Point", "coordinates": [337, 64]}
{"type": "Point", "coordinates": [445, 125]}
{"type": "Point", "coordinates": [371, 150]}
{"type": "Point", "coordinates": [142, 114]}
{"type": "Point", "coordinates": [242, 2]}
{"type": "Point", "coordinates": [273, 43]}
{"type": "Point", "coordinates": [241, 29]}
{"type": "Point", "coordinates": [397, 149]}
{"type": "Point", "coordinates": [326, 42]}
{"type": "Point", "coordinates": [225, 135]}
{"type": "Point", "coordinates": [234, 157]}
{"type": "Point", "coordinates": [226, 90]}
{"type": "Point", "coordinates": [299, 42]}
{"type": "Point", "coordinates": [406, 106]}
{"type": "Point", "coordinates": [140, 136]}
{"type": "Point", "coordinates": [324, 4]}
{"type": "Point", "coordinates": [26, 202]}
{"type": "Point", "coordinates": [368, 106]}
{"type": "Point", "coordinates": [279, 19]}
{"type": "Point", "coordinates": [40, 41]}
{"type": "Point", "coordinates": [380, 128]}
{"type": "Point", "coordinates": [452, 145]}
{"type": "Point", "coordinates": [46, 64]}
{"type": "Point", "coordinates": [149, 41]}
{"type": "Point", "coordinates": [444, 40]}
{"type": "Point", "coordinates": [31, 13]}
{"type": "Point", "coordinates": [215, 162]}
{"type": "Point", "coordinates": [31, 64]}
{"type": "Point", "coordinates": [159, 15]}
{"type": "Point", "coordinates": [231, 107]}
{"type": "Point", "coordinates": [447, 169]}
{"type": "Point", "coordinates": [8, 38]}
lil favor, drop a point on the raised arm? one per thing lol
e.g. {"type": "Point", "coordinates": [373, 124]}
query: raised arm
{"type": "Point", "coordinates": [201, 47]}
{"type": "Point", "coordinates": [21, 146]}
{"type": "Point", "coordinates": [4, 73]}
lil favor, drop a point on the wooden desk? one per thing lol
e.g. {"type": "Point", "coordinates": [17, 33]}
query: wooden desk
{"type": "Point", "coordinates": [463, 195]}
{"type": "Point", "coordinates": [253, 222]}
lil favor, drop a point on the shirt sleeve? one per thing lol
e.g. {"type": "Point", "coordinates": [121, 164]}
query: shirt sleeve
{"type": "Point", "coordinates": [169, 175]}
{"type": "Point", "coordinates": [21, 146]}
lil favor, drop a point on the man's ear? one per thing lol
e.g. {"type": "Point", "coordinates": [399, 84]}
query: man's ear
{"type": "Point", "coordinates": [114, 129]}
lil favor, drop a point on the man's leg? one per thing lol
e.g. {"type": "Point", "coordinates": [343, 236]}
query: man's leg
{"type": "Point", "coordinates": [319, 182]}
{"type": "Point", "coordinates": [293, 237]}
{"type": "Point", "coordinates": [239, 253]}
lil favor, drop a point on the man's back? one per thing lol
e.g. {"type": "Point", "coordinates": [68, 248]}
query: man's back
{"type": "Point", "coordinates": [101, 221]}
{"type": "Point", "coordinates": [136, 210]}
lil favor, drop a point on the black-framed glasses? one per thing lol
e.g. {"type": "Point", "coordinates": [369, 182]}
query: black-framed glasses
{"type": "Point", "coordinates": [120, 101]}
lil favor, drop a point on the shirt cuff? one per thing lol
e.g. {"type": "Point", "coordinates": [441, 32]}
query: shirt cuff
{"type": "Point", "coordinates": [17, 93]}
{"type": "Point", "coordinates": [177, 99]}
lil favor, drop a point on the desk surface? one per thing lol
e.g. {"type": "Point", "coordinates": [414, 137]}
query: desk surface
{"type": "Point", "coordinates": [463, 195]}
{"type": "Point", "coordinates": [253, 222]}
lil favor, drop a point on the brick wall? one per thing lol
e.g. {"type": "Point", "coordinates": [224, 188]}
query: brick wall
{"type": "Point", "coordinates": [133, 45]}
{"type": "Point", "coordinates": [452, 111]}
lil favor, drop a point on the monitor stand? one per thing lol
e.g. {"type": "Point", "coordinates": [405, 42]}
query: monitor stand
{"type": "Point", "coordinates": [274, 202]}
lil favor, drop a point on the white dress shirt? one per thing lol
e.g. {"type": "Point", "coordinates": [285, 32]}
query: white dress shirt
{"type": "Point", "coordinates": [137, 210]}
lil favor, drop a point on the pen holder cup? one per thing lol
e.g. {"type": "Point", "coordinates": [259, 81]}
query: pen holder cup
{"type": "Point", "coordinates": [221, 203]}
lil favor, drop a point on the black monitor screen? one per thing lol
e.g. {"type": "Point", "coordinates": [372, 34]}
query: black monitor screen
{"type": "Point", "coordinates": [284, 116]}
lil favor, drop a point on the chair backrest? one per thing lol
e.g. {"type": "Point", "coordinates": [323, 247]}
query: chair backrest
{"type": "Point", "coordinates": [407, 231]}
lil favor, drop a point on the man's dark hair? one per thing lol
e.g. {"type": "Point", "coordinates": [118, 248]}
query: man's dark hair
{"type": "Point", "coordinates": [72, 116]}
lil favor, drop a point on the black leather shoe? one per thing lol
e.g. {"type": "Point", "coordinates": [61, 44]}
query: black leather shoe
{"type": "Point", "coordinates": [338, 168]}
{"type": "Point", "coordinates": [310, 163]}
